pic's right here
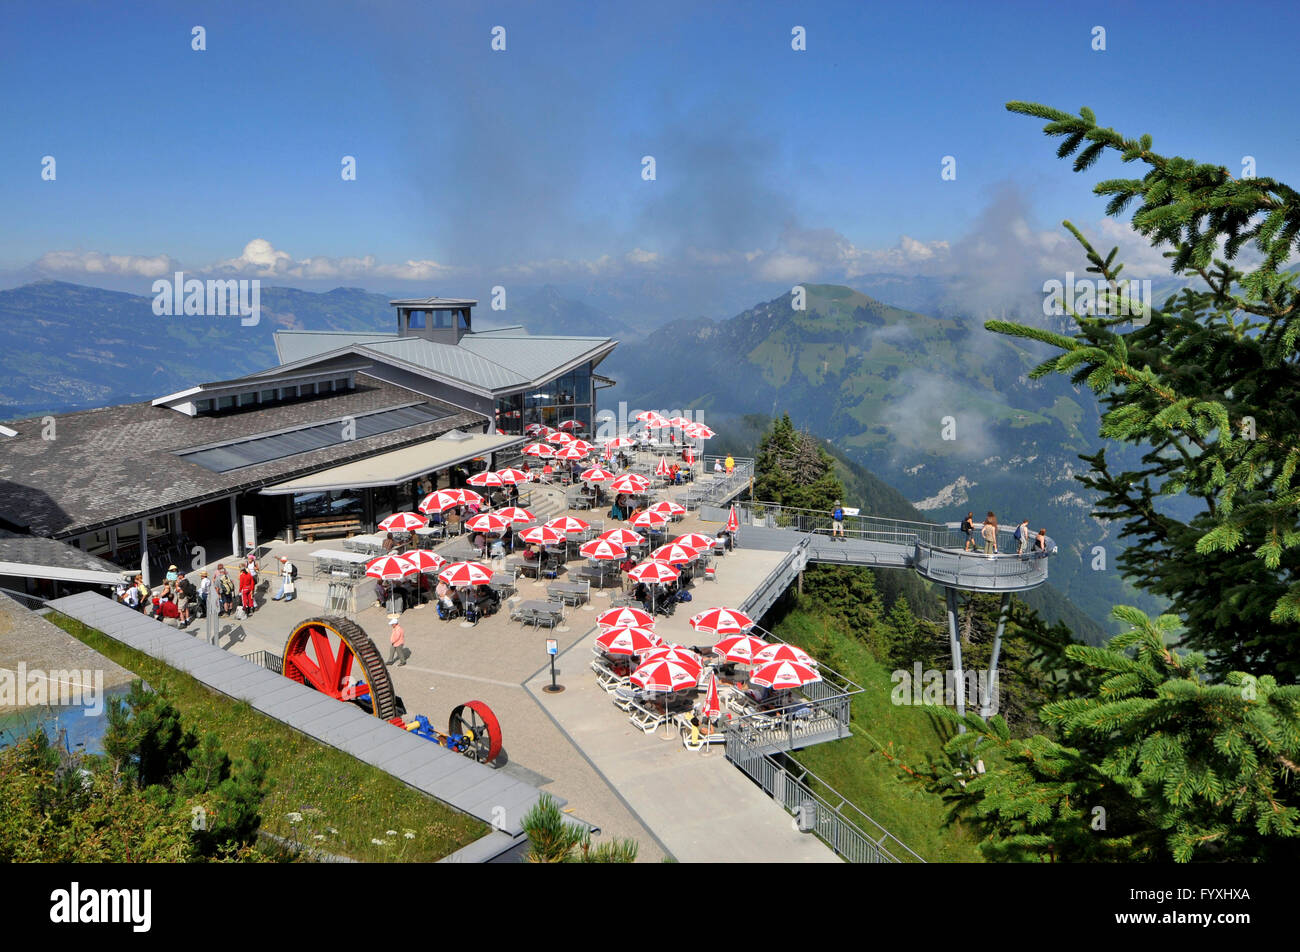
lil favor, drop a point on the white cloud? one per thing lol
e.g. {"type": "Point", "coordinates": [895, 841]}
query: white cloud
{"type": "Point", "coordinates": [95, 262]}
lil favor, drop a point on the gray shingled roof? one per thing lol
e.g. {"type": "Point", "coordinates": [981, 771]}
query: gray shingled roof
{"type": "Point", "coordinates": [33, 550]}
{"type": "Point", "coordinates": [118, 463]}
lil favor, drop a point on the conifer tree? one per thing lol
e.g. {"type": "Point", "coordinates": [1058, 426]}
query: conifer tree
{"type": "Point", "coordinates": [1207, 386]}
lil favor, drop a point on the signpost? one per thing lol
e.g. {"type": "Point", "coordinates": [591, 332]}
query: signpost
{"type": "Point", "coordinates": [552, 649]}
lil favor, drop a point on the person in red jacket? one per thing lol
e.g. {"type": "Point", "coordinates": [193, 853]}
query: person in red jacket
{"type": "Point", "coordinates": [246, 584]}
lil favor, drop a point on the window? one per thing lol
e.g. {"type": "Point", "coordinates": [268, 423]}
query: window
{"type": "Point", "coordinates": [415, 320]}
{"type": "Point", "coordinates": [202, 406]}
{"type": "Point", "coordinates": [341, 384]}
{"type": "Point", "coordinates": [268, 396]}
{"type": "Point", "coordinates": [325, 386]}
{"type": "Point", "coordinates": [225, 403]}
{"type": "Point", "coordinates": [462, 318]}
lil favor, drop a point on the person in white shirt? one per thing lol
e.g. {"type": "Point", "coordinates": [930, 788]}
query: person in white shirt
{"type": "Point", "coordinates": [287, 588]}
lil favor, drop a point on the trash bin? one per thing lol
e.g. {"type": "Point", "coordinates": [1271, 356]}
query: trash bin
{"type": "Point", "coordinates": [807, 816]}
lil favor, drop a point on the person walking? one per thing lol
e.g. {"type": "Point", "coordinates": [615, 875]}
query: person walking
{"type": "Point", "coordinates": [246, 586]}
{"type": "Point", "coordinates": [990, 535]}
{"type": "Point", "coordinates": [288, 578]}
{"type": "Point", "coordinates": [837, 521]}
{"type": "Point", "coordinates": [1021, 535]}
{"type": "Point", "coordinates": [968, 530]}
{"type": "Point", "coordinates": [397, 638]}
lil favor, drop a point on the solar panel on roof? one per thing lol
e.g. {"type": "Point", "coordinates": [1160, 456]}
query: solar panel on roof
{"type": "Point", "coordinates": [264, 449]}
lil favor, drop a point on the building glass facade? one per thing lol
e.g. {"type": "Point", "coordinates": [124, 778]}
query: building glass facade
{"type": "Point", "coordinates": [563, 398]}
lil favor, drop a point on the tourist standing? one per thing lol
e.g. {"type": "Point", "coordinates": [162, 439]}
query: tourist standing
{"type": "Point", "coordinates": [1021, 535]}
{"type": "Point", "coordinates": [225, 590]}
{"type": "Point", "coordinates": [246, 586]}
{"type": "Point", "coordinates": [288, 575]}
{"type": "Point", "coordinates": [990, 535]}
{"type": "Point", "coordinates": [205, 590]}
{"type": "Point", "coordinates": [397, 638]}
{"type": "Point", "coordinates": [837, 521]}
{"type": "Point", "coordinates": [968, 530]}
{"type": "Point", "coordinates": [730, 464]}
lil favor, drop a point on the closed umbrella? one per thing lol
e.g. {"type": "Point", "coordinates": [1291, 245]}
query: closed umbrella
{"type": "Point", "coordinates": [662, 469]}
{"type": "Point", "coordinates": [711, 709]}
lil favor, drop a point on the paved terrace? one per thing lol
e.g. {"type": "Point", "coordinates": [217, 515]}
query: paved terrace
{"type": "Point", "coordinates": [576, 745]}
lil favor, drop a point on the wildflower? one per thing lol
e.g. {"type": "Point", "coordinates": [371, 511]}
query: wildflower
{"type": "Point", "coordinates": [409, 835]}
{"type": "Point", "coordinates": [294, 817]}
{"type": "Point", "coordinates": [319, 836]}
{"type": "Point", "coordinates": [378, 842]}
{"type": "Point", "coordinates": [390, 833]}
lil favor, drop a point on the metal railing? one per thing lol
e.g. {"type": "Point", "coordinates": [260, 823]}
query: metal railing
{"type": "Point", "coordinates": [847, 830]}
{"type": "Point", "coordinates": [778, 580]}
{"type": "Point", "coordinates": [710, 488]}
{"type": "Point", "coordinates": [266, 659]}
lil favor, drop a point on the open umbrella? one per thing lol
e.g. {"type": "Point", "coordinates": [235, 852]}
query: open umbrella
{"type": "Point", "coordinates": [664, 677]}
{"type": "Point", "coordinates": [540, 450]}
{"type": "Point", "coordinates": [441, 501]}
{"type": "Point", "coordinates": [602, 549]}
{"type": "Point", "coordinates": [630, 483]}
{"type": "Point", "coordinates": [625, 618]}
{"type": "Point", "coordinates": [624, 537]}
{"type": "Point", "coordinates": [597, 475]}
{"type": "Point", "coordinates": [783, 675]}
{"type": "Point", "coordinates": [390, 568]}
{"type": "Point", "coordinates": [572, 425]}
{"type": "Point", "coordinates": [542, 535]}
{"type": "Point", "coordinates": [425, 560]}
{"type": "Point", "coordinates": [698, 431]}
{"type": "Point", "coordinates": [486, 478]}
{"type": "Point", "coordinates": [466, 573]}
{"type": "Point", "coordinates": [533, 428]}
{"type": "Point", "coordinates": [619, 443]}
{"type": "Point", "coordinates": [677, 654]}
{"type": "Point", "coordinates": [403, 522]}
{"type": "Point", "coordinates": [567, 524]}
{"type": "Point", "coordinates": [572, 451]}
{"type": "Point", "coordinates": [511, 476]}
{"type": "Point", "coordinates": [627, 640]}
{"type": "Point", "coordinates": [652, 571]}
{"type": "Point", "coordinates": [668, 508]}
{"type": "Point", "coordinates": [516, 515]}
{"type": "Point", "coordinates": [650, 520]}
{"type": "Point", "coordinates": [558, 436]}
{"type": "Point", "coordinates": [651, 417]}
{"type": "Point", "coordinates": [675, 554]}
{"type": "Point", "coordinates": [489, 522]}
{"type": "Point", "coordinates": [696, 540]}
{"type": "Point", "coordinates": [739, 649]}
{"type": "Point", "coordinates": [721, 621]}
{"type": "Point", "coordinates": [783, 652]}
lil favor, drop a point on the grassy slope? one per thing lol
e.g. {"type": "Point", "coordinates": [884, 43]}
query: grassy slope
{"type": "Point", "coordinates": [359, 801]}
{"type": "Point", "coordinates": [856, 769]}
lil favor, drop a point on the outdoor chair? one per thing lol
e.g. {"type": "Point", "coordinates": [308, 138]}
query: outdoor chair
{"type": "Point", "coordinates": [645, 719]}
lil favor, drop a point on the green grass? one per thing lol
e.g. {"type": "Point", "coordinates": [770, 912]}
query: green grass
{"type": "Point", "coordinates": [343, 803]}
{"type": "Point", "coordinates": [858, 770]}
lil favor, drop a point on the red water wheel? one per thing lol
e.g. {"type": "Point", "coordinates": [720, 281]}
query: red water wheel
{"type": "Point", "coordinates": [332, 655]}
{"type": "Point", "coordinates": [479, 725]}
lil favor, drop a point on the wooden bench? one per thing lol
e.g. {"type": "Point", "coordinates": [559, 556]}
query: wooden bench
{"type": "Point", "coordinates": [310, 528]}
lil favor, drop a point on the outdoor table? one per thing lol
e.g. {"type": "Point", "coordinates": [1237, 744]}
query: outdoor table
{"type": "Point", "coordinates": [569, 590]}
{"type": "Point", "coordinates": [525, 566]}
{"type": "Point", "coordinates": [336, 562]}
{"type": "Point", "coordinates": [502, 582]}
{"type": "Point", "coordinates": [366, 544]}
{"type": "Point", "coordinates": [537, 611]}
{"type": "Point", "coordinates": [425, 536]}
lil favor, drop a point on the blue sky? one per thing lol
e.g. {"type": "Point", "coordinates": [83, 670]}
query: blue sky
{"type": "Point", "coordinates": [475, 166]}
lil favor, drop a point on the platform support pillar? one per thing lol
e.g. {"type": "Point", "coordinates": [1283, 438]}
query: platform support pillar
{"type": "Point", "coordinates": [954, 644]}
{"type": "Point", "coordinates": [991, 685]}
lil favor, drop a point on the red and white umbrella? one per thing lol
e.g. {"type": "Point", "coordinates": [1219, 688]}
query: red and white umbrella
{"type": "Point", "coordinates": [619, 443]}
{"type": "Point", "coordinates": [740, 649]}
{"type": "Point", "coordinates": [698, 431]}
{"type": "Point", "coordinates": [630, 483]}
{"type": "Point", "coordinates": [425, 560]}
{"type": "Point", "coordinates": [403, 522]}
{"type": "Point", "coordinates": [603, 549]}
{"type": "Point", "coordinates": [628, 640]}
{"type": "Point", "coordinates": [668, 508]}
{"type": "Point", "coordinates": [567, 524]}
{"type": "Point", "coordinates": [572, 451]}
{"type": "Point", "coordinates": [711, 707]}
{"type": "Point", "coordinates": [625, 618]}
{"type": "Point", "coordinates": [542, 535]}
{"type": "Point", "coordinates": [558, 436]}
{"type": "Point", "coordinates": [466, 573]}
{"type": "Point", "coordinates": [572, 425]}
{"type": "Point", "coordinates": [467, 497]}
{"type": "Point", "coordinates": [679, 422]}
{"type": "Point", "coordinates": [783, 652]}
{"type": "Point", "coordinates": [515, 515]}
{"type": "Point", "coordinates": [722, 621]}
{"type": "Point", "coordinates": [677, 654]}
{"type": "Point", "coordinates": [532, 428]}
{"type": "Point", "coordinates": [488, 522]}
{"type": "Point", "coordinates": [662, 469]}
{"type": "Point", "coordinates": [675, 554]}
{"type": "Point", "coordinates": [389, 568]}
{"type": "Point", "coordinates": [512, 476]}
{"type": "Point", "coordinates": [782, 675]}
{"type": "Point", "coordinates": [486, 478]}
{"type": "Point", "coordinates": [598, 475]}
{"type": "Point", "coordinates": [650, 519]}
{"type": "Point", "coordinates": [664, 676]}
{"type": "Point", "coordinates": [651, 417]}
{"type": "Point", "coordinates": [540, 450]}
{"type": "Point", "coordinates": [652, 571]}
{"type": "Point", "coordinates": [696, 540]}
{"type": "Point", "coordinates": [441, 501]}
{"type": "Point", "coordinates": [624, 537]}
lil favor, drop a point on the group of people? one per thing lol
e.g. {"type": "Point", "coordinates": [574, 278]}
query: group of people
{"type": "Point", "coordinates": [989, 535]}
{"type": "Point", "coordinates": [185, 600]}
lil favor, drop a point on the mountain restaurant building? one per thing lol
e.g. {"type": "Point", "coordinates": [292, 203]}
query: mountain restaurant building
{"type": "Point", "coordinates": [348, 429]}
